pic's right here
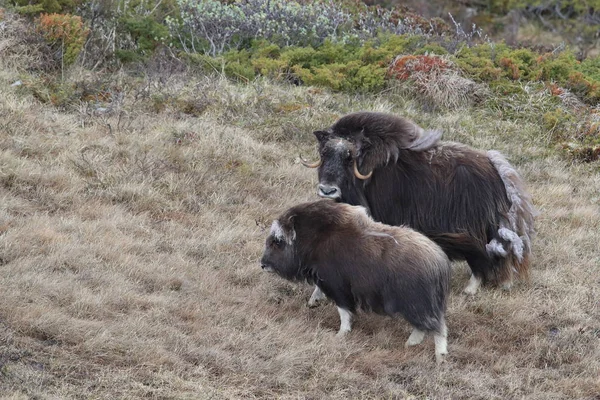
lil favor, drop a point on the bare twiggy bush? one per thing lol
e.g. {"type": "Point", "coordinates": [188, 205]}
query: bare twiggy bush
{"type": "Point", "coordinates": [23, 48]}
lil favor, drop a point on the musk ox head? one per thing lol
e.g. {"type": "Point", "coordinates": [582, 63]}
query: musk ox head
{"type": "Point", "coordinates": [296, 234]}
{"type": "Point", "coordinates": [279, 253]}
{"type": "Point", "coordinates": [352, 148]}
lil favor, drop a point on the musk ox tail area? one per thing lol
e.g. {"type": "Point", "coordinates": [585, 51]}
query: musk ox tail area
{"type": "Point", "coordinates": [511, 246]}
{"type": "Point", "coordinates": [456, 245]}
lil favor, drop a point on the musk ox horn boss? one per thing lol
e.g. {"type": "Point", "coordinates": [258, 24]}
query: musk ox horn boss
{"type": "Point", "coordinates": [363, 264]}
{"type": "Point", "coordinates": [404, 175]}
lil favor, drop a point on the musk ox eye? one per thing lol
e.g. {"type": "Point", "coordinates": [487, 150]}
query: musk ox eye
{"type": "Point", "coordinates": [277, 242]}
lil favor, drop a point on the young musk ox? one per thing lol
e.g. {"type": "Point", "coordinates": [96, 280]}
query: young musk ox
{"type": "Point", "coordinates": [472, 200]}
{"type": "Point", "coordinates": [363, 264]}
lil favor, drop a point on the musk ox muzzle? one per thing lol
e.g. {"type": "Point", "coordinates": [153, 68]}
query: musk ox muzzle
{"type": "Point", "coordinates": [329, 191]}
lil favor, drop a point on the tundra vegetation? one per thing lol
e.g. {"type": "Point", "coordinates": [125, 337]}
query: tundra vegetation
{"type": "Point", "coordinates": [139, 173]}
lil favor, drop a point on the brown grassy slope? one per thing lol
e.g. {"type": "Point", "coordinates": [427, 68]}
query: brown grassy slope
{"type": "Point", "coordinates": [129, 260]}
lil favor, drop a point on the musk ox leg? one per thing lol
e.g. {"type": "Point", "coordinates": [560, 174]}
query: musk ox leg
{"type": "Point", "coordinates": [415, 338]}
{"type": "Point", "coordinates": [345, 322]}
{"type": "Point", "coordinates": [316, 297]}
{"type": "Point", "coordinates": [441, 344]}
{"type": "Point", "coordinates": [473, 285]}
{"type": "Point", "coordinates": [481, 266]}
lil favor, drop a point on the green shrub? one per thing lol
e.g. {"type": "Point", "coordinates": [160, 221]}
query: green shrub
{"type": "Point", "coordinates": [146, 33]}
{"type": "Point", "coordinates": [36, 7]}
{"type": "Point", "coordinates": [494, 63]}
{"type": "Point", "coordinates": [557, 120]}
{"type": "Point", "coordinates": [590, 67]}
{"type": "Point", "coordinates": [124, 31]}
{"type": "Point", "coordinates": [349, 67]}
{"type": "Point", "coordinates": [240, 71]}
{"type": "Point", "coordinates": [432, 48]}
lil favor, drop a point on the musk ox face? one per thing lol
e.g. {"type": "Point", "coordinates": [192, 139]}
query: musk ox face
{"type": "Point", "coordinates": [278, 256]}
{"type": "Point", "coordinates": [339, 178]}
{"type": "Point", "coordinates": [358, 143]}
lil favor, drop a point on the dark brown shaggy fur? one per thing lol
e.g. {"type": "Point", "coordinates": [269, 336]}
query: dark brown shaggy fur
{"type": "Point", "coordinates": [362, 264]}
{"type": "Point", "coordinates": [448, 191]}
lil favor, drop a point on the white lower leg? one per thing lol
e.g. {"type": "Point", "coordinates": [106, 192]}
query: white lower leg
{"type": "Point", "coordinates": [416, 337]}
{"type": "Point", "coordinates": [473, 285]}
{"type": "Point", "coordinates": [316, 296]}
{"type": "Point", "coordinates": [441, 344]}
{"type": "Point", "coordinates": [345, 322]}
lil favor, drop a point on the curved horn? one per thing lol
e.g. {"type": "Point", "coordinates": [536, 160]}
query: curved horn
{"type": "Point", "coordinates": [310, 165]}
{"type": "Point", "coordinates": [359, 175]}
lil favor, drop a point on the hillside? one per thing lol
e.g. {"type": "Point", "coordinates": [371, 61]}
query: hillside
{"type": "Point", "coordinates": [132, 222]}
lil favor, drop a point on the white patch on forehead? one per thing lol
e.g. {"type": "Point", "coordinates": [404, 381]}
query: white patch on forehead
{"type": "Point", "coordinates": [340, 145]}
{"type": "Point", "coordinates": [277, 230]}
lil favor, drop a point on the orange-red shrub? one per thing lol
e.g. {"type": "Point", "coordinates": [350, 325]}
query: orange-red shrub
{"type": "Point", "coordinates": [64, 30]}
{"type": "Point", "coordinates": [404, 66]}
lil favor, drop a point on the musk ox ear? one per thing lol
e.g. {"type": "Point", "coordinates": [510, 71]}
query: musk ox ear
{"type": "Point", "coordinates": [363, 144]}
{"type": "Point", "coordinates": [321, 135]}
{"type": "Point", "coordinates": [292, 231]}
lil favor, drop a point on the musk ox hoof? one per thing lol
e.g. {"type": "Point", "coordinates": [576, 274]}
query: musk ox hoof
{"type": "Point", "coordinates": [470, 292]}
{"type": "Point", "coordinates": [507, 286]}
{"type": "Point", "coordinates": [473, 286]}
{"type": "Point", "coordinates": [317, 298]}
{"type": "Point", "coordinates": [341, 334]}
{"type": "Point", "coordinates": [441, 344]}
{"type": "Point", "coordinates": [313, 303]}
{"type": "Point", "coordinates": [415, 338]}
{"type": "Point", "coordinates": [440, 358]}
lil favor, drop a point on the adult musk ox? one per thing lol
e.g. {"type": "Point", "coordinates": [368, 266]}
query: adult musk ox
{"type": "Point", "coordinates": [472, 200]}
{"type": "Point", "coordinates": [363, 264]}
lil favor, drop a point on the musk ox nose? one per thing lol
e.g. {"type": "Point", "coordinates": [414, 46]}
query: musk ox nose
{"type": "Point", "coordinates": [328, 191]}
{"type": "Point", "coordinates": [266, 267]}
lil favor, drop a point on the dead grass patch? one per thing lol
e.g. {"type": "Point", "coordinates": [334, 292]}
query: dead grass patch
{"type": "Point", "coordinates": [129, 260]}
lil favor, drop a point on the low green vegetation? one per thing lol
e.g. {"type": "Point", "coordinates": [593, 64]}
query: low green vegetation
{"type": "Point", "coordinates": [342, 46]}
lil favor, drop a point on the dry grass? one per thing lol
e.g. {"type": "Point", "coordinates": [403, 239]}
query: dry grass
{"type": "Point", "coordinates": [129, 259]}
{"type": "Point", "coordinates": [447, 89]}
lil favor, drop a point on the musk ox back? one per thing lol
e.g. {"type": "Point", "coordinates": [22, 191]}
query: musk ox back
{"type": "Point", "coordinates": [363, 265]}
{"type": "Point", "coordinates": [403, 175]}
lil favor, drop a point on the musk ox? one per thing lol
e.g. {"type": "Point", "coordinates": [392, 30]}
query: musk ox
{"type": "Point", "coordinates": [404, 175]}
{"type": "Point", "coordinates": [363, 264]}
